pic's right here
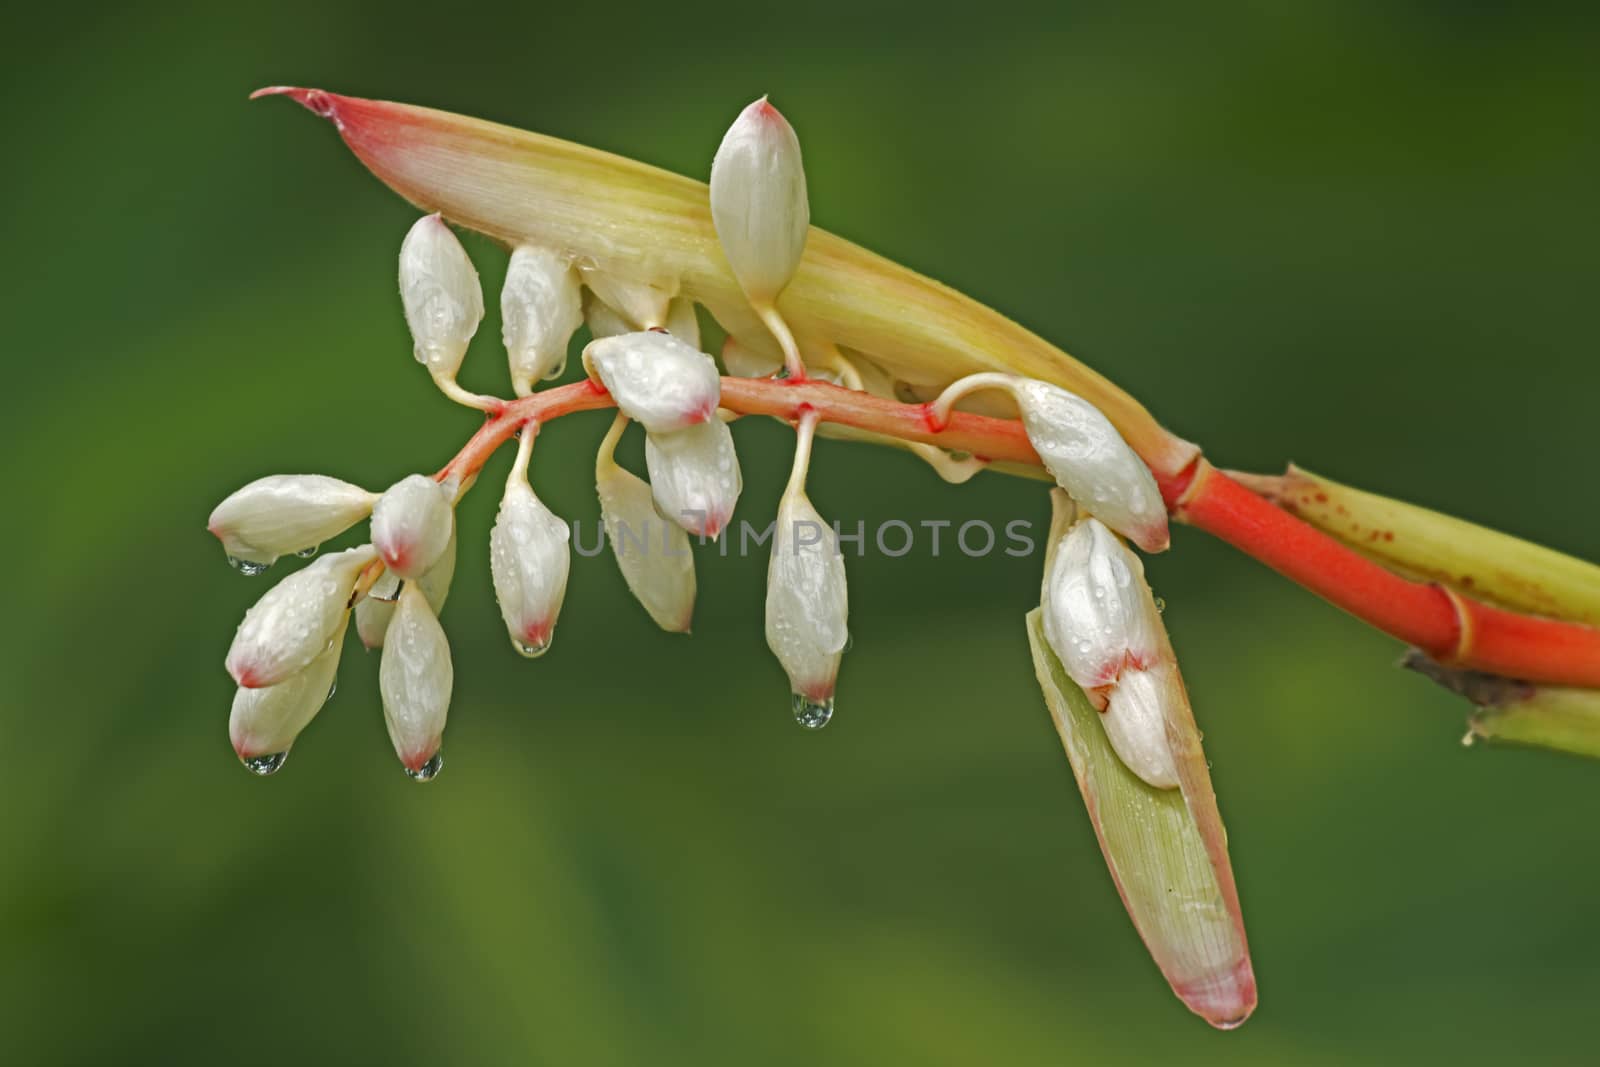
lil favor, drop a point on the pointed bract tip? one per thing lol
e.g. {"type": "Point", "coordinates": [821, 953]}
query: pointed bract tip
{"type": "Point", "coordinates": [1225, 1001]}
{"type": "Point", "coordinates": [316, 101]}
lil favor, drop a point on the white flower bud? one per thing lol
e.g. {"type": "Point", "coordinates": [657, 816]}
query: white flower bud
{"type": "Point", "coordinates": [742, 361]}
{"type": "Point", "coordinates": [529, 559]}
{"type": "Point", "coordinates": [412, 523]}
{"type": "Point", "coordinates": [540, 308]}
{"type": "Point", "coordinates": [602, 320]}
{"type": "Point", "coordinates": [1098, 613]}
{"type": "Point", "coordinates": [443, 300]}
{"type": "Point", "coordinates": [657, 380]}
{"type": "Point", "coordinates": [652, 553]}
{"type": "Point", "coordinates": [1136, 723]}
{"type": "Point", "coordinates": [415, 678]}
{"type": "Point", "coordinates": [264, 722]}
{"type": "Point", "coordinates": [807, 607]}
{"type": "Point", "coordinates": [286, 513]}
{"type": "Point", "coordinates": [758, 201]}
{"type": "Point", "coordinates": [292, 624]}
{"type": "Point", "coordinates": [1091, 461]}
{"type": "Point", "coordinates": [683, 323]}
{"type": "Point", "coordinates": [376, 609]}
{"type": "Point", "coordinates": [639, 303]}
{"type": "Point", "coordinates": [694, 475]}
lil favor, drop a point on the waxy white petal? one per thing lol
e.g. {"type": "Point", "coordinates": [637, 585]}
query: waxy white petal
{"type": "Point", "coordinates": [758, 201]}
{"type": "Point", "coordinates": [1098, 613]}
{"type": "Point", "coordinates": [660, 382]}
{"type": "Point", "coordinates": [292, 624]}
{"type": "Point", "coordinates": [442, 297]}
{"type": "Point", "coordinates": [541, 306]}
{"type": "Point", "coordinates": [652, 553]}
{"type": "Point", "coordinates": [639, 303]}
{"type": "Point", "coordinates": [602, 320]}
{"type": "Point", "coordinates": [1091, 461]}
{"type": "Point", "coordinates": [683, 323]}
{"type": "Point", "coordinates": [529, 558]}
{"type": "Point", "coordinates": [807, 612]}
{"type": "Point", "coordinates": [695, 477]}
{"type": "Point", "coordinates": [412, 524]}
{"type": "Point", "coordinates": [1135, 720]}
{"type": "Point", "coordinates": [415, 678]}
{"type": "Point", "coordinates": [285, 513]}
{"type": "Point", "coordinates": [266, 721]}
{"type": "Point", "coordinates": [742, 361]}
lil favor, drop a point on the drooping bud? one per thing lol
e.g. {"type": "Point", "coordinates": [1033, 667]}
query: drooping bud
{"type": "Point", "coordinates": [682, 322]}
{"type": "Point", "coordinates": [742, 361]}
{"type": "Point", "coordinates": [695, 477]}
{"type": "Point", "coordinates": [265, 722]}
{"type": "Point", "coordinates": [657, 380]}
{"type": "Point", "coordinates": [1098, 615]}
{"type": "Point", "coordinates": [412, 523]}
{"type": "Point", "coordinates": [540, 308]}
{"type": "Point", "coordinates": [443, 300]}
{"type": "Point", "coordinates": [1136, 722]}
{"type": "Point", "coordinates": [374, 610]}
{"type": "Point", "coordinates": [286, 513]}
{"type": "Point", "coordinates": [639, 303]}
{"type": "Point", "coordinates": [807, 612]}
{"type": "Point", "coordinates": [529, 558]}
{"type": "Point", "coordinates": [653, 554]}
{"type": "Point", "coordinates": [758, 201]}
{"type": "Point", "coordinates": [415, 678]}
{"type": "Point", "coordinates": [292, 624]}
{"type": "Point", "coordinates": [1091, 461]}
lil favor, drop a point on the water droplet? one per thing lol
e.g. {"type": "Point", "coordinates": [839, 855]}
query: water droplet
{"type": "Point", "coordinates": [248, 568]}
{"type": "Point", "coordinates": [849, 641]}
{"type": "Point", "coordinates": [307, 553]}
{"type": "Point", "coordinates": [556, 371]}
{"type": "Point", "coordinates": [265, 765]}
{"type": "Point", "coordinates": [532, 650]}
{"type": "Point", "coordinates": [333, 687]}
{"type": "Point", "coordinates": [428, 771]}
{"type": "Point", "coordinates": [1161, 605]}
{"type": "Point", "coordinates": [811, 714]}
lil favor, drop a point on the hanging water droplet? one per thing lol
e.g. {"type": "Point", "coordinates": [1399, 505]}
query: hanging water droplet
{"type": "Point", "coordinates": [247, 567]}
{"type": "Point", "coordinates": [849, 641]}
{"type": "Point", "coordinates": [265, 765]}
{"type": "Point", "coordinates": [812, 714]}
{"type": "Point", "coordinates": [307, 553]}
{"type": "Point", "coordinates": [557, 371]}
{"type": "Point", "coordinates": [333, 687]}
{"type": "Point", "coordinates": [1161, 605]}
{"type": "Point", "coordinates": [428, 771]}
{"type": "Point", "coordinates": [532, 649]}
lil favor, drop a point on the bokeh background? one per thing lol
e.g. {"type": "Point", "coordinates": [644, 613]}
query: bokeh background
{"type": "Point", "coordinates": [1357, 235]}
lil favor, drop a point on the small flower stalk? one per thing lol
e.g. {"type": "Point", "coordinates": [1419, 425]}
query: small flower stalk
{"type": "Point", "coordinates": [529, 559]}
{"type": "Point", "coordinates": [807, 613]}
{"type": "Point", "coordinates": [286, 514]}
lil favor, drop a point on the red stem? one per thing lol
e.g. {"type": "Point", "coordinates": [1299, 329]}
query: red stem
{"type": "Point", "coordinates": [1450, 627]}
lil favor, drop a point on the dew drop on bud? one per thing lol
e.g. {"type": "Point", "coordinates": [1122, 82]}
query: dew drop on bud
{"type": "Point", "coordinates": [307, 553]}
{"type": "Point", "coordinates": [532, 650]}
{"type": "Point", "coordinates": [1161, 606]}
{"type": "Point", "coordinates": [247, 567]}
{"type": "Point", "coordinates": [428, 771]}
{"type": "Point", "coordinates": [264, 765]}
{"type": "Point", "coordinates": [333, 687]}
{"type": "Point", "coordinates": [812, 714]}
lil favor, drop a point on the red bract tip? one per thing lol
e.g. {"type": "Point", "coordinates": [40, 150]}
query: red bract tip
{"type": "Point", "coordinates": [315, 101]}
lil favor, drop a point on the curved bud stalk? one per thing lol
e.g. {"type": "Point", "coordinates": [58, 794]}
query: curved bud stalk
{"type": "Point", "coordinates": [1166, 848]}
{"type": "Point", "coordinates": [529, 558]}
{"type": "Point", "coordinates": [286, 513]}
{"type": "Point", "coordinates": [443, 300]}
{"type": "Point", "coordinates": [807, 611]}
{"type": "Point", "coordinates": [656, 380]}
{"type": "Point", "coordinates": [658, 568]}
{"type": "Point", "coordinates": [374, 610]}
{"type": "Point", "coordinates": [415, 678]}
{"type": "Point", "coordinates": [264, 723]}
{"type": "Point", "coordinates": [1082, 451]}
{"type": "Point", "coordinates": [292, 624]}
{"type": "Point", "coordinates": [541, 306]}
{"type": "Point", "coordinates": [412, 524]}
{"type": "Point", "coordinates": [642, 305]}
{"type": "Point", "coordinates": [694, 476]}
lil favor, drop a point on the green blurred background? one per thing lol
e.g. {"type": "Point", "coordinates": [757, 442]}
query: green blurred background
{"type": "Point", "coordinates": [1358, 235]}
